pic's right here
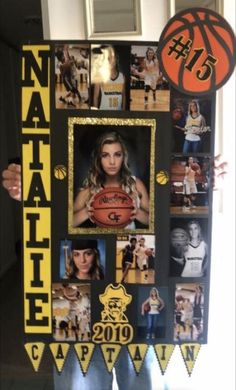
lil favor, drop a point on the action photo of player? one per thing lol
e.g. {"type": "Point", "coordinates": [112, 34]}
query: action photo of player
{"type": "Point", "coordinates": [149, 89]}
{"type": "Point", "coordinates": [72, 76]}
{"type": "Point", "coordinates": [190, 184]}
{"type": "Point", "coordinates": [135, 259]}
{"type": "Point", "coordinates": [188, 315]}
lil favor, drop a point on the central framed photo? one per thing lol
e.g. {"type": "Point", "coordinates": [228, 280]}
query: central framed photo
{"type": "Point", "coordinates": [111, 175]}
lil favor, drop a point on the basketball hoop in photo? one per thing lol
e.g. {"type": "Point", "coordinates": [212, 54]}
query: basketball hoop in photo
{"type": "Point", "coordinates": [197, 51]}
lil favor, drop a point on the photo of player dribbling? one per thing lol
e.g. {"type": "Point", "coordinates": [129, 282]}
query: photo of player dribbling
{"type": "Point", "coordinates": [188, 316]}
{"type": "Point", "coordinates": [71, 312]}
{"type": "Point", "coordinates": [190, 184]}
{"type": "Point", "coordinates": [135, 259]}
{"type": "Point", "coordinates": [149, 89]}
{"type": "Point", "coordinates": [72, 76]}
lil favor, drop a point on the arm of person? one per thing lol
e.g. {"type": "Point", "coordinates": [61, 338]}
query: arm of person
{"type": "Point", "coordinates": [143, 305]}
{"type": "Point", "coordinates": [124, 95]}
{"type": "Point", "coordinates": [96, 93]}
{"type": "Point", "coordinates": [80, 209]}
{"type": "Point", "coordinates": [162, 304]}
{"type": "Point", "coordinates": [142, 214]}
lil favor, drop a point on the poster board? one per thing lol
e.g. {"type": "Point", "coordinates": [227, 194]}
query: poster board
{"type": "Point", "coordinates": [62, 123]}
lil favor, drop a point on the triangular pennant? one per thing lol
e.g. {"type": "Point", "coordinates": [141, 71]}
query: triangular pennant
{"type": "Point", "coordinates": [190, 353]}
{"type": "Point", "coordinates": [59, 353]}
{"type": "Point", "coordinates": [163, 353]}
{"type": "Point", "coordinates": [110, 353]}
{"type": "Point", "coordinates": [35, 353]}
{"type": "Point", "coordinates": [84, 353]}
{"type": "Point", "coordinates": [137, 353]}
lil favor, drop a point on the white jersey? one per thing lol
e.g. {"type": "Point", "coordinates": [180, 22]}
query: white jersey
{"type": "Point", "coordinates": [194, 124]}
{"type": "Point", "coordinates": [194, 257]}
{"type": "Point", "coordinates": [151, 73]}
{"type": "Point", "coordinates": [112, 93]}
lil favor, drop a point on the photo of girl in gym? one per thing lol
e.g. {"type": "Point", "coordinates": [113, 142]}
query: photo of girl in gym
{"type": "Point", "coordinates": [188, 315]}
{"type": "Point", "coordinates": [115, 155]}
{"type": "Point", "coordinates": [71, 311]}
{"type": "Point", "coordinates": [135, 259]}
{"type": "Point", "coordinates": [191, 123]}
{"type": "Point", "coordinates": [149, 89]}
{"type": "Point", "coordinates": [109, 75]}
{"type": "Point", "coordinates": [72, 76]}
{"type": "Point", "coordinates": [151, 322]}
{"type": "Point", "coordinates": [190, 184]}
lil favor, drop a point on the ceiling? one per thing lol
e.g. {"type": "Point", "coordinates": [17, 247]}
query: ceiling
{"type": "Point", "coordinates": [20, 21]}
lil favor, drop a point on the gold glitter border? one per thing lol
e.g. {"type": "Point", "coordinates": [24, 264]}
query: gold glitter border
{"type": "Point", "coordinates": [114, 122]}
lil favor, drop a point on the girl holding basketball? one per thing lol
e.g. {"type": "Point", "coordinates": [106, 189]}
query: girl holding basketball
{"type": "Point", "coordinates": [84, 262]}
{"type": "Point", "coordinates": [195, 256]}
{"type": "Point", "coordinates": [155, 304]}
{"type": "Point", "coordinates": [110, 168]}
{"type": "Point", "coordinates": [194, 126]}
{"type": "Point", "coordinates": [189, 185]}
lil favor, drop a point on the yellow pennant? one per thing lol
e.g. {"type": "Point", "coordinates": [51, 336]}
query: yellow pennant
{"type": "Point", "coordinates": [59, 353]}
{"type": "Point", "coordinates": [35, 353]}
{"type": "Point", "coordinates": [84, 353]}
{"type": "Point", "coordinates": [163, 353]}
{"type": "Point", "coordinates": [110, 353]}
{"type": "Point", "coordinates": [190, 353]}
{"type": "Point", "coordinates": [137, 353]}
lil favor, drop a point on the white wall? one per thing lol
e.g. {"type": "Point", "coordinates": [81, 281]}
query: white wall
{"type": "Point", "coordinates": [63, 19]}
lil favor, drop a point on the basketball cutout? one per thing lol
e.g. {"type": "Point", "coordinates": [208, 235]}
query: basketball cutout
{"type": "Point", "coordinates": [197, 51]}
{"type": "Point", "coordinates": [60, 172]}
{"type": "Point", "coordinates": [112, 208]}
{"type": "Point", "coordinates": [162, 177]}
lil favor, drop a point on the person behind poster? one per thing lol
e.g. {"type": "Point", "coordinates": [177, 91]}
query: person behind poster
{"type": "Point", "coordinates": [84, 262]}
{"type": "Point", "coordinates": [110, 168]}
{"type": "Point", "coordinates": [109, 88]}
{"type": "Point", "coordinates": [151, 307]}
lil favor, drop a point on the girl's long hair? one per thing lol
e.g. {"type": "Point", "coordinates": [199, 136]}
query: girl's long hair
{"type": "Point", "coordinates": [97, 177]}
{"type": "Point", "coordinates": [193, 101]}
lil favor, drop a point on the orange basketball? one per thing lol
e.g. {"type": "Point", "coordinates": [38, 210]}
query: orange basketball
{"type": "Point", "coordinates": [197, 51]}
{"type": "Point", "coordinates": [112, 208]}
{"type": "Point", "coordinates": [177, 114]}
{"type": "Point", "coordinates": [148, 252]}
{"type": "Point", "coordinates": [195, 166]}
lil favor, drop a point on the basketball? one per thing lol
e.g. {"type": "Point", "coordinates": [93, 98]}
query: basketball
{"type": "Point", "coordinates": [179, 237]}
{"type": "Point", "coordinates": [196, 51]}
{"type": "Point", "coordinates": [60, 172]}
{"type": "Point", "coordinates": [162, 177]}
{"type": "Point", "coordinates": [112, 208]}
{"type": "Point", "coordinates": [177, 114]}
{"type": "Point", "coordinates": [148, 252]}
{"type": "Point", "coordinates": [195, 167]}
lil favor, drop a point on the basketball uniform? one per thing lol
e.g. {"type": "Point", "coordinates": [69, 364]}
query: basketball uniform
{"type": "Point", "coordinates": [189, 182]}
{"type": "Point", "coordinates": [195, 124]}
{"type": "Point", "coordinates": [112, 94]}
{"type": "Point", "coordinates": [194, 258]}
{"type": "Point", "coordinates": [151, 73]}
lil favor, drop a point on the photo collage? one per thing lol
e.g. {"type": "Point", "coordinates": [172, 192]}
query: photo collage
{"type": "Point", "coordinates": [113, 195]}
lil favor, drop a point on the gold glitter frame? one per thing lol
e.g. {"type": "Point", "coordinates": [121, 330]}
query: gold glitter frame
{"type": "Point", "coordinates": [127, 122]}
